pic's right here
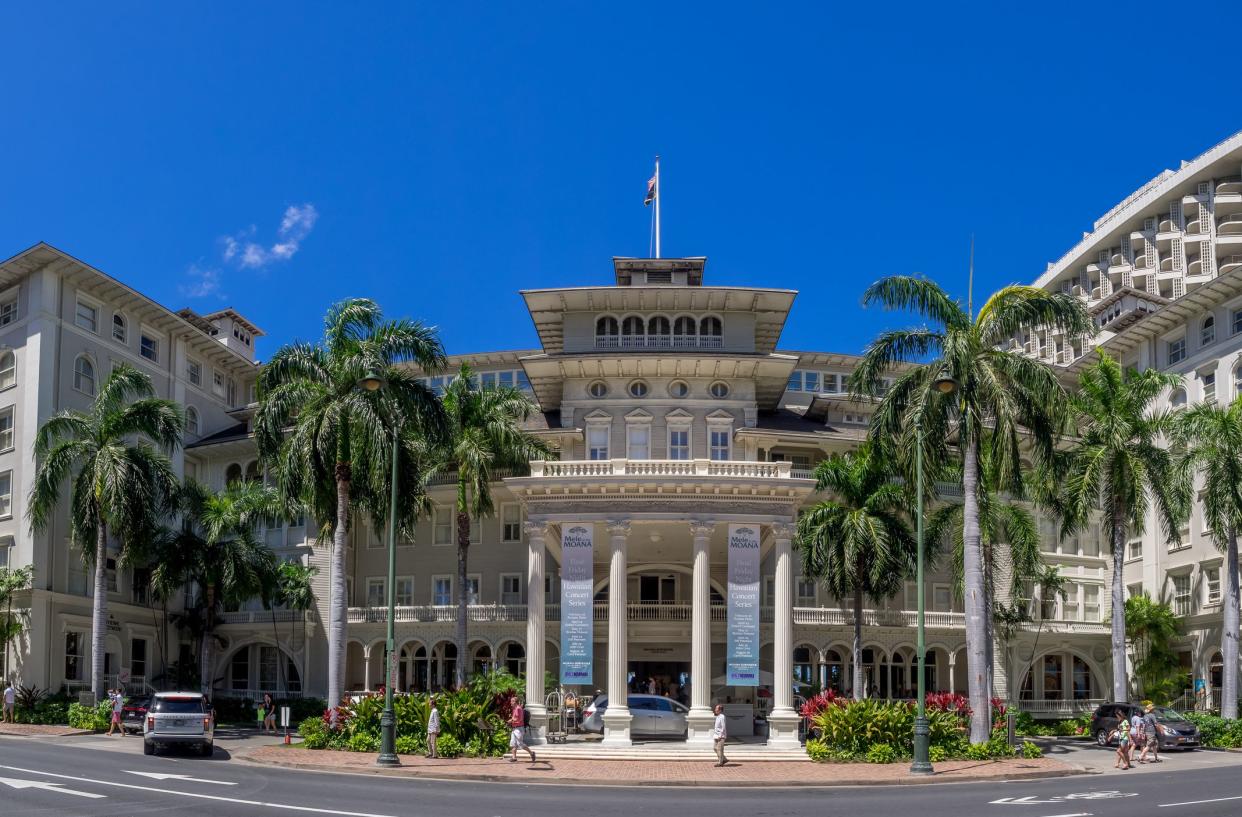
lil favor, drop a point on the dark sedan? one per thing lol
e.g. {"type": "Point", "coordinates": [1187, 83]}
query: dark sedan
{"type": "Point", "coordinates": [134, 713]}
{"type": "Point", "coordinates": [1176, 732]}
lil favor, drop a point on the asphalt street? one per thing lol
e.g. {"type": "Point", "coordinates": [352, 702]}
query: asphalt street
{"type": "Point", "coordinates": [64, 778]}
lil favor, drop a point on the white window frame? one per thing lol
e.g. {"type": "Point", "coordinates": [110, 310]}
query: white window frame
{"type": "Point", "coordinates": [1134, 553]}
{"type": "Point", "coordinates": [474, 580]}
{"type": "Point", "coordinates": [679, 422]}
{"type": "Point", "coordinates": [1211, 596]}
{"type": "Point", "coordinates": [195, 428]}
{"type": "Point", "coordinates": [6, 494]}
{"type": "Point", "coordinates": [93, 306]}
{"type": "Point", "coordinates": [7, 543]}
{"type": "Point", "coordinates": [599, 427]}
{"type": "Point", "coordinates": [194, 372]}
{"type": "Point", "coordinates": [452, 594]}
{"type": "Point", "coordinates": [9, 374]}
{"type": "Point", "coordinates": [505, 524]}
{"type": "Point", "coordinates": [218, 379]}
{"type": "Point", "coordinates": [10, 306]}
{"type": "Point", "coordinates": [936, 589]}
{"type": "Point", "coordinates": [156, 339]}
{"type": "Point", "coordinates": [1181, 598]}
{"type": "Point", "coordinates": [1207, 331]}
{"type": "Point", "coordinates": [801, 600]}
{"type": "Point", "coordinates": [94, 377]}
{"type": "Point", "coordinates": [123, 326]}
{"type": "Point", "coordinates": [716, 424]}
{"type": "Point", "coordinates": [636, 421]}
{"type": "Point", "coordinates": [1175, 350]}
{"type": "Point", "coordinates": [376, 591]}
{"type": "Point", "coordinates": [1207, 381]}
{"type": "Point", "coordinates": [406, 581]}
{"type": "Point", "coordinates": [516, 594]}
{"type": "Point", "coordinates": [438, 521]}
{"type": "Point", "coordinates": [7, 418]}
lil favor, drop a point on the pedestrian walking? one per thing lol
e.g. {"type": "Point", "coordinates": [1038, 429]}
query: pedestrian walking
{"type": "Point", "coordinates": [1136, 734]}
{"type": "Point", "coordinates": [118, 707]}
{"type": "Point", "coordinates": [433, 728]}
{"type": "Point", "coordinates": [720, 733]}
{"type": "Point", "coordinates": [1122, 733]}
{"type": "Point", "coordinates": [1151, 735]}
{"type": "Point", "coordinates": [10, 703]}
{"type": "Point", "coordinates": [269, 713]}
{"type": "Point", "coordinates": [518, 721]}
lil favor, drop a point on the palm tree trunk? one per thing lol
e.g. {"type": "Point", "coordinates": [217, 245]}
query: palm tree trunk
{"type": "Point", "coordinates": [463, 547]}
{"type": "Point", "coordinates": [859, 681]}
{"type": "Point", "coordinates": [976, 603]}
{"type": "Point", "coordinates": [338, 604]}
{"type": "Point", "coordinates": [99, 610]}
{"type": "Point", "coordinates": [1229, 641]}
{"type": "Point", "coordinates": [205, 674]}
{"type": "Point", "coordinates": [989, 678]}
{"type": "Point", "coordinates": [1121, 685]}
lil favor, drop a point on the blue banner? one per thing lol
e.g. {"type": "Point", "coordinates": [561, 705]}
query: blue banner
{"type": "Point", "coordinates": [742, 666]}
{"type": "Point", "coordinates": [577, 603]}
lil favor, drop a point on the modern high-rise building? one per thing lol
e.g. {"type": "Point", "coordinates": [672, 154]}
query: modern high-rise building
{"type": "Point", "coordinates": [675, 417]}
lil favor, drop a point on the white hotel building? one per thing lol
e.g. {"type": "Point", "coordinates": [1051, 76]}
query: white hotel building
{"type": "Point", "coordinates": [673, 413]}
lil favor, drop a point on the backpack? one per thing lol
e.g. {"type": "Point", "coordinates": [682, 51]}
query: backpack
{"type": "Point", "coordinates": [525, 717]}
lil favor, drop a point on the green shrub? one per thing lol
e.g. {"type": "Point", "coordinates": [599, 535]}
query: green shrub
{"type": "Point", "coordinates": [410, 745]}
{"type": "Point", "coordinates": [937, 754]}
{"type": "Point", "coordinates": [449, 746]}
{"type": "Point", "coordinates": [94, 718]}
{"type": "Point", "coordinates": [881, 753]}
{"type": "Point", "coordinates": [363, 742]}
{"type": "Point", "coordinates": [816, 750]}
{"type": "Point", "coordinates": [852, 727]}
{"type": "Point", "coordinates": [314, 733]}
{"type": "Point", "coordinates": [1030, 751]}
{"type": "Point", "coordinates": [999, 747]}
{"type": "Point", "coordinates": [978, 751]}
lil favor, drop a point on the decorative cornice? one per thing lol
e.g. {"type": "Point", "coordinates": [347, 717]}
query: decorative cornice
{"type": "Point", "coordinates": [535, 529]}
{"type": "Point", "coordinates": [702, 527]}
{"type": "Point", "coordinates": [618, 527]}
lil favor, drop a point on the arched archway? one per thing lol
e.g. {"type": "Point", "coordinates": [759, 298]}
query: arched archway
{"type": "Point", "coordinates": [254, 667]}
{"type": "Point", "coordinates": [482, 659]}
{"type": "Point", "coordinates": [511, 656]}
{"type": "Point", "coordinates": [1060, 674]}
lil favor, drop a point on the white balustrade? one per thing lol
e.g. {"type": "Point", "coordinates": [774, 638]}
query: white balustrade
{"type": "Point", "coordinates": [733, 469]}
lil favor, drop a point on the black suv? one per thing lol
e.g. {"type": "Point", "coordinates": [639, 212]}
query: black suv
{"type": "Point", "coordinates": [1175, 731]}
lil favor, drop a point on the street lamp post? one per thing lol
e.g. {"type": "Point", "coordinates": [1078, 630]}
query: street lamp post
{"type": "Point", "coordinates": [388, 720]}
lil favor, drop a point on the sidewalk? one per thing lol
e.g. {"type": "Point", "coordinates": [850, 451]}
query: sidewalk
{"type": "Point", "coordinates": [30, 729]}
{"type": "Point", "coordinates": [665, 773]}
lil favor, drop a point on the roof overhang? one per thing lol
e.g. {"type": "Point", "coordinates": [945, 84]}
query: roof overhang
{"type": "Point", "coordinates": [547, 373]}
{"type": "Point", "coordinates": [548, 307]}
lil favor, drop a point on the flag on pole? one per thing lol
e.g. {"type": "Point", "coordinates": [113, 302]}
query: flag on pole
{"type": "Point", "coordinates": [651, 191]}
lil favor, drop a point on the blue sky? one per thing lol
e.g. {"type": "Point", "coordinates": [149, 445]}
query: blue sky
{"type": "Point", "coordinates": [439, 157]}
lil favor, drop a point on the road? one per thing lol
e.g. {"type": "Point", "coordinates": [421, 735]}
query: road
{"type": "Point", "coordinates": [66, 778]}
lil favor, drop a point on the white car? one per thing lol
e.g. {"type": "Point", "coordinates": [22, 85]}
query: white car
{"type": "Point", "coordinates": [178, 719]}
{"type": "Point", "coordinates": [651, 716]}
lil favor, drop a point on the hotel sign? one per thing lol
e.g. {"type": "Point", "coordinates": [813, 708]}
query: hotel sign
{"type": "Point", "coordinates": [742, 667]}
{"type": "Point", "coordinates": [577, 602]}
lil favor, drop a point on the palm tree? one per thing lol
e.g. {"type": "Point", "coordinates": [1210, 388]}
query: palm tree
{"type": "Point", "coordinates": [116, 458]}
{"type": "Point", "coordinates": [329, 441]}
{"type": "Point", "coordinates": [13, 580]}
{"type": "Point", "coordinates": [219, 553]}
{"type": "Point", "coordinates": [1117, 463]}
{"type": "Point", "coordinates": [1152, 627]}
{"type": "Point", "coordinates": [1211, 437]}
{"type": "Point", "coordinates": [857, 542]}
{"type": "Point", "coordinates": [997, 388]}
{"type": "Point", "coordinates": [484, 434]}
{"type": "Point", "coordinates": [292, 590]}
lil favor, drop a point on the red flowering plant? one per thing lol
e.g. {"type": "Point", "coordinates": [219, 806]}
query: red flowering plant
{"type": "Point", "coordinates": [820, 702]}
{"type": "Point", "coordinates": [337, 718]}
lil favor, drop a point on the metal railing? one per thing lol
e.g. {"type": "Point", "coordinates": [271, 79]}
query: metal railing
{"type": "Point", "coordinates": [658, 341]}
{"type": "Point", "coordinates": [1056, 707]}
{"type": "Point", "coordinates": [661, 468]}
{"type": "Point", "coordinates": [261, 616]}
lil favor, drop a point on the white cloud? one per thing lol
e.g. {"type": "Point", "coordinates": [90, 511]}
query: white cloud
{"type": "Point", "coordinates": [295, 225]}
{"type": "Point", "coordinates": [201, 282]}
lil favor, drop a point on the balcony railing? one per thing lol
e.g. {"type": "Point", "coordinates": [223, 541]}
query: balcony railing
{"type": "Point", "coordinates": [1228, 263]}
{"type": "Point", "coordinates": [658, 341]}
{"type": "Point", "coordinates": [1230, 224]}
{"type": "Point", "coordinates": [1168, 225]}
{"type": "Point", "coordinates": [1055, 707]}
{"type": "Point", "coordinates": [563, 469]}
{"type": "Point", "coordinates": [1193, 227]}
{"type": "Point", "coordinates": [1230, 186]}
{"type": "Point", "coordinates": [260, 616]}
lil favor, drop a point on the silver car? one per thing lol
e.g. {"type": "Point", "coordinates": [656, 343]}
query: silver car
{"type": "Point", "coordinates": [651, 716]}
{"type": "Point", "coordinates": [178, 718]}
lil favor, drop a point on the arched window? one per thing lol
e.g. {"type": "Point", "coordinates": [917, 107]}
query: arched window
{"type": "Point", "coordinates": [633, 325]}
{"type": "Point", "coordinates": [684, 327]}
{"type": "Point", "coordinates": [606, 330]}
{"type": "Point", "coordinates": [1178, 398]}
{"type": "Point", "coordinates": [84, 375]}
{"type": "Point", "coordinates": [252, 471]}
{"type": "Point", "coordinates": [804, 666]}
{"type": "Point", "coordinates": [191, 420]}
{"type": "Point", "coordinates": [232, 474]}
{"type": "Point", "coordinates": [515, 658]}
{"type": "Point", "coordinates": [120, 332]}
{"type": "Point", "coordinates": [1207, 333]}
{"type": "Point", "coordinates": [659, 326]}
{"type": "Point", "coordinates": [711, 327]}
{"type": "Point", "coordinates": [8, 369]}
{"type": "Point", "coordinates": [1237, 380]}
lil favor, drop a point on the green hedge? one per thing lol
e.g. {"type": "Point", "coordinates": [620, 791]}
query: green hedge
{"type": "Point", "coordinates": [1217, 732]}
{"type": "Point", "coordinates": [94, 718]}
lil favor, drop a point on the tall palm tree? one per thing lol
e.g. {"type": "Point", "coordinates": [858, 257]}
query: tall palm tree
{"type": "Point", "coordinates": [218, 551]}
{"type": "Point", "coordinates": [292, 590]}
{"type": "Point", "coordinates": [1211, 437]}
{"type": "Point", "coordinates": [857, 542]}
{"type": "Point", "coordinates": [329, 442]}
{"type": "Point", "coordinates": [115, 457]}
{"type": "Point", "coordinates": [13, 580]}
{"type": "Point", "coordinates": [1117, 463]}
{"type": "Point", "coordinates": [484, 435]}
{"type": "Point", "coordinates": [1152, 627]}
{"type": "Point", "coordinates": [998, 389]}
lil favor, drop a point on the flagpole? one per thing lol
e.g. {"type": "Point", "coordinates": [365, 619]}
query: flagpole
{"type": "Point", "coordinates": [657, 207]}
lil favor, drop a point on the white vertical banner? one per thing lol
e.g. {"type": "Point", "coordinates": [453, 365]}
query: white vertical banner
{"type": "Point", "coordinates": [742, 667]}
{"type": "Point", "coordinates": [577, 602]}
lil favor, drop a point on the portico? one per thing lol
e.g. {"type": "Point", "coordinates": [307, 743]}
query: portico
{"type": "Point", "coordinates": [657, 514]}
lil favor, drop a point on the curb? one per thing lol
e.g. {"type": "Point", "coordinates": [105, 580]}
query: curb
{"type": "Point", "coordinates": [1070, 771]}
{"type": "Point", "coordinates": [68, 734]}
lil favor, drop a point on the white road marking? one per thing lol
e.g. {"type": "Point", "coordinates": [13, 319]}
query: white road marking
{"type": "Point", "coordinates": [185, 777]}
{"type": "Point", "coordinates": [1075, 814]}
{"type": "Point", "coordinates": [14, 783]}
{"type": "Point", "coordinates": [1199, 802]}
{"type": "Point", "coordinates": [196, 795]}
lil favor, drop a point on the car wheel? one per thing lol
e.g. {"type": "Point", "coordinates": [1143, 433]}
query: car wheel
{"type": "Point", "coordinates": [148, 748]}
{"type": "Point", "coordinates": [1101, 737]}
{"type": "Point", "coordinates": [206, 750]}
{"type": "Point", "coordinates": [685, 734]}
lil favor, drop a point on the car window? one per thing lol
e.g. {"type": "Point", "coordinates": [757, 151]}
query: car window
{"type": "Point", "coordinates": [642, 703]}
{"type": "Point", "coordinates": [679, 708]}
{"type": "Point", "coordinates": [663, 705]}
{"type": "Point", "coordinates": [179, 706]}
{"type": "Point", "coordinates": [1165, 714]}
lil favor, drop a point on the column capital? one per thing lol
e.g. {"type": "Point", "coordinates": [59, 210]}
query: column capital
{"type": "Point", "coordinates": [702, 527]}
{"type": "Point", "coordinates": [618, 527]}
{"type": "Point", "coordinates": [535, 528]}
{"type": "Point", "coordinates": [784, 530]}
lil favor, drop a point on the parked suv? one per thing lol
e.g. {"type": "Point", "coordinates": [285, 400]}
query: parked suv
{"type": "Point", "coordinates": [135, 713]}
{"type": "Point", "coordinates": [178, 719]}
{"type": "Point", "coordinates": [1176, 732]}
{"type": "Point", "coordinates": [651, 716]}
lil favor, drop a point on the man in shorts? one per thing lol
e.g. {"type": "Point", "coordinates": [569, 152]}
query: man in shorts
{"type": "Point", "coordinates": [10, 702]}
{"type": "Point", "coordinates": [517, 723]}
{"type": "Point", "coordinates": [118, 707]}
{"type": "Point", "coordinates": [1151, 731]}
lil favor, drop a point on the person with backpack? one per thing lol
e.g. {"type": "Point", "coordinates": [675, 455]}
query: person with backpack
{"type": "Point", "coordinates": [518, 721]}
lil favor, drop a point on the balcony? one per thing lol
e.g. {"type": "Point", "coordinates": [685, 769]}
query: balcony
{"type": "Point", "coordinates": [1169, 225]}
{"type": "Point", "coordinates": [1046, 708]}
{"type": "Point", "coordinates": [725, 469]}
{"type": "Point", "coordinates": [658, 341]}
{"type": "Point", "coordinates": [261, 616]}
{"type": "Point", "coordinates": [1228, 263]}
{"type": "Point", "coordinates": [1230, 224]}
{"type": "Point", "coordinates": [1193, 227]}
{"type": "Point", "coordinates": [1231, 186]}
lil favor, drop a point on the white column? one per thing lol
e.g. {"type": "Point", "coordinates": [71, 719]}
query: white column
{"type": "Point", "coordinates": [366, 667]}
{"type": "Point", "coordinates": [536, 547]}
{"type": "Point", "coordinates": [952, 664]}
{"type": "Point", "coordinates": [783, 722]}
{"type": "Point", "coordinates": [617, 716]}
{"type": "Point", "coordinates": [701, 719]}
